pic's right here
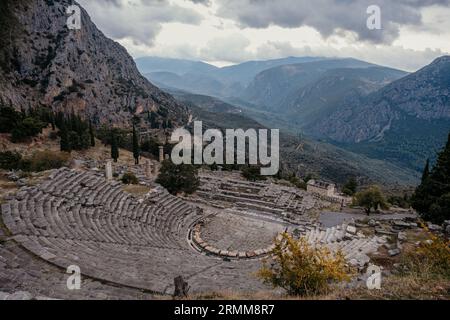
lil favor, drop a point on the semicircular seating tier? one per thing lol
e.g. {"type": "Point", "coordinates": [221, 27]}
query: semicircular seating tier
{"type": "Point", "coordinates": [79, 218]}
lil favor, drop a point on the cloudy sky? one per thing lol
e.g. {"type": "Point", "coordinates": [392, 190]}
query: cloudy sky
{"type": "Point", "coordinates": [224, 32]}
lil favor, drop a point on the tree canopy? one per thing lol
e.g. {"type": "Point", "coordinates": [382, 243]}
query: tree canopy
{"type": "Point", "coordinates": [178, 178]}
{"type": "Point", "coordinates": [432, 197]}
{"type": "Point", "coordinates": [350, 187]}
{"type": "Point", "coordinates": [371, 198]}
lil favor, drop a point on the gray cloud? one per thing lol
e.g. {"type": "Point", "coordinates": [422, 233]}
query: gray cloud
{"type": "Point", "coordinates": [204, 2]}
{"type": "Point", "coordinates": [139, 20]}
{"type": "Point", "coordinates": [232, 48]}
{"type": "Point", "coordinates": [136, 23]}
{"type": "Point", "coordinates": [328, 16]}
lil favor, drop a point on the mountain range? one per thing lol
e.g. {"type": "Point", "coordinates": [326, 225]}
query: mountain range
{"type": "Point", "coordinates": [377, 111]}
{"type": "Point", "coordinates": [202, 78]}
{"type": "Point", "coordinates": [405, 122]}
{"type": "Point", "coordinates": [301, 154]}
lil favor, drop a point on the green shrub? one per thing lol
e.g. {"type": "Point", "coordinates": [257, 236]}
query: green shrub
{"type": "Point", "coordinates": [431, 257]}
{"type": "Point", "coordinates": [178, 178]}
{"type": "Point", "coordinates": [129, 178]}
{"type": "Point", "coordinates": [10, 160]}
{"type": "Point", "coordinates": [350, 187]}
{"type": "Point", "coordinates": [9, 119]}
{"type": "Point", "coordinates": [29, 127]}
{"type": "Point", "coordinates": [296, 181]}
{"type": "Point", "coordinates": [369, 199]}
{"type": "Point", "coordinates": [252, 173]}
{"type": "Point", "coordinates": [151, 146]}
{"type": "Point", "coordinates": [45, 160]}
{"type": "Point", "coordinates": [402, 202]}
{"type": "Point", "coordinates": [301, 269]}
{"type": "Point", "coordinates": [39, 161]}
{"type": "Point", "coordinates": [23, 125]}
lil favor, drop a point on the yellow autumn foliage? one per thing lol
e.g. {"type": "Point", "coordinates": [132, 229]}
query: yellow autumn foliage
{"type": "Point", "coordinates": [301, 269]}
{"type": "Point", "coordinates": [431, 256]}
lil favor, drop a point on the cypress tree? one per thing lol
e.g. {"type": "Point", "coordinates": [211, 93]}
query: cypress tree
{"type": "Point", "coordinates": [432, 197]}
{"type": "Point", "coordinates": [154, 121]}
{"type": "Point", "coordinates": [65, 144]}
{"type": "Point", "coordinates": [441, 171]}
{"type": "Point", "coordinates": [350, 187]}
{"type": "Point", "coordinates": [52, 120]}
{"type": "Point", "coordinates": [136, 152]}
{"type": "Point", "coordinates": [91, 134]}
{"type": "Point", "coordinates": [426, 171]}
{"type": "Point", "coordinates": [114, 147]}
{"type": "Point", "coordinates": [72, 121]}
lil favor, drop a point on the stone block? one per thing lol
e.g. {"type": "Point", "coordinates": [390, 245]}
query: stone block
{"type": "Point", "coordinates": [394, 252]}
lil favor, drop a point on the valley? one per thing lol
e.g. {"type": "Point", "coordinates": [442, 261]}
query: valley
{"type": "Point", "coordinates": [354, 105]}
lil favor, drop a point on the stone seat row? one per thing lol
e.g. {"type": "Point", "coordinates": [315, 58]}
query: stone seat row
{"type": "Point", "coordinates": [355, 246]}
{"type": "Point", "coordinates": [115, 218]}
{"type": "Point", "coordinates": [78, 218]}
{"type": "Point", "coordinates": [48, 219]}
{"type": "Point", "coordinates": [148, 268]}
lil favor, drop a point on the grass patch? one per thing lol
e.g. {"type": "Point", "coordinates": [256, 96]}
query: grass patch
{"type": "Point", "coordinates": [137, 190]}
{"type": "Point", "coordinates": [421, 272]}
{"type": "Point", "coordinates": [405, 287]}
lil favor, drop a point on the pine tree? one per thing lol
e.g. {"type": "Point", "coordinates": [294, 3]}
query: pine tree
{"type": "Point", "coordinates": [53, 121]}
{"type": "Point", "coordinates": [426, 171]}
{"type": "Point", "coordinates": [136, 151]}
{"type": "Point", "coordinates": [432, 197]}
{"type": "Point", "coordinates": [91, 134]}
{"type": "Point", "coordinates": [73, 121]}
{"type": "Point", "coordinates": [350, 187]}
{"type": "Point", "coordinates": [154, 124]}
{"type": "Point", "coordinates": [114, 146]}
{"type": "Point", "coordinates": [441, 171]}
{"type": "Point", "coordinates": [65, 144]}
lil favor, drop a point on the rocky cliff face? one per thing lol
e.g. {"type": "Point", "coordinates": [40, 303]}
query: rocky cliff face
{"type": "Point", "coordinates": [424, 95]}
{"type": "Point", "coordinates": [45, 63]}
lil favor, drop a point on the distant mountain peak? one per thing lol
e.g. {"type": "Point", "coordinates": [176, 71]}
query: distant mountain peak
{"type": "Point", "coordinates": [443, 59]}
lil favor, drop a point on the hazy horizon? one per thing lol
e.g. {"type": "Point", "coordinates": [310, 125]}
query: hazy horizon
{"type": "Point", "coordinates": [224, 33]}
{"type": "Point", "coordinates": [223, 64]}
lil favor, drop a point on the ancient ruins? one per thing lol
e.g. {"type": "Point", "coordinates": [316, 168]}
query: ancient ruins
{"type": "Point", "coordinates": [214, 239]}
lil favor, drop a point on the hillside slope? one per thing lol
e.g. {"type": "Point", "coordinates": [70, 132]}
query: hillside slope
{"type": "Point", "coordinates": [270, 88]}
{"type": "Point", "coordinates": [45, 64]}
{"type": "Point", "coordinates": [318, 100]}
{"type": "Point", "coordinates": [406, 122]}
{"type": "Point", "coordinates": [303, 155]}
